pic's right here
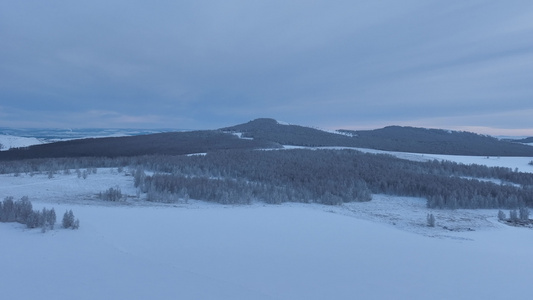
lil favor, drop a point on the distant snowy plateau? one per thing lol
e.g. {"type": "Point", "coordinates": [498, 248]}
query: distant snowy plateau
{"type": "Point", "coordinates": [8, 141]}
{"type": "Point", "coordinates": [20, 138]}
{"type": "Point", "coordinates": [382, 249]}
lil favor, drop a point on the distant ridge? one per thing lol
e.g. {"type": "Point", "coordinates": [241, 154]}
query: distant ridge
{"type": "Point", "coordinates": [168, 143]}
{"type": "Point", "coordinates": [528, 140]}
{"type": "Point", "coordinates": [391, 138]}
{"type": "Point", "coordinates": [267, 133]}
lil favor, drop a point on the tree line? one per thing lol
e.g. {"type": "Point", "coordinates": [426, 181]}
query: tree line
{"type": "Point", "coordinates": [301, 175]}
{"type": "Point", "coordinates": [332, 177]}
{"type": "Point", "coordinates": [21, 211]}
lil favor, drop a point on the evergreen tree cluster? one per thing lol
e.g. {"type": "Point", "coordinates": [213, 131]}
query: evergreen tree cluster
{"type": "Point", "coordinates": [516, 217]}
{"type": "Point", "coordinates": [69, 221]}
{"type": "Point", "coordinates": [331, 177]}
{"type": "Point", "coordinates": [239, 191]}
{"type": "Point", "coordinates": [302, 175]}
{"type": "Point", "coordinates": [21, 211]}
{"type": "Point", "coordinates": [111, 194]}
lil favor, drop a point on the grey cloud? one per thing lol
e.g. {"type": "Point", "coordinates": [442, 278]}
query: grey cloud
{"type": "Point", "coordinates": [216, 63]}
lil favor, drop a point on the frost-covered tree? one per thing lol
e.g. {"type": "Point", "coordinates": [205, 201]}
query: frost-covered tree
{"type": "Point", "coordinates": [111, 194]}
{"type": "Point", "coordinates": [68, 219]}
{"type": "Point", "coordinates": [8, 210]}
{"type": "Point", "coordinates": [138, 177]}
{"type": "Point", "coordinates": [513, 216]}
{"type": "Point", "coordinates": [21, 211]}
{"type": "Point", "coordinates": [76, 224]}
{"type": "Point", "coordinates": [23, 208]}
{"type": "Point", "coordinates": [51, 218]}
{"type": "Point", "coordinates": [431, 220]}
{"type": "Point", "coordinates": [523, 213]}
{"type": "Point", "coordinates": [33, 219]}
{"type": "Point", "coordinates": [501, 215]}
{"type": "Point", "coordinates": [48, 218]}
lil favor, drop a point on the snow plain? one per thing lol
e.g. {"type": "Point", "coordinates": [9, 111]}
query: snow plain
{"type": "Point", "coordinates": [375, 250]}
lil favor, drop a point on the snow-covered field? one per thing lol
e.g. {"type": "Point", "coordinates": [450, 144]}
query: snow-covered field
{"type": "Point", "coordinates": [380, 249]}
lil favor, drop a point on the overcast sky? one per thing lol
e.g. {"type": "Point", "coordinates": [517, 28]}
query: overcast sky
{"type": "Point", "coordinates": [464, 65]}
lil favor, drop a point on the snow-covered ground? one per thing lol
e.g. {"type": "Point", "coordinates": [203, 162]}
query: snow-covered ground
{"type": "Point", "coordinates": [15, 138]}
{"type": "Point", "coordinates": [520, 162]}
{"type": "Point", "coordinates": [9, 141]}
{"type": "Point", "coordinates": [380, 249]}
{"type": "Point", "coordinates": [239, 135]}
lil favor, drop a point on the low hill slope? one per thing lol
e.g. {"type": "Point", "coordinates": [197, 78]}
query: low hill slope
{"type": "Point", "coordinates": [9, 141]}
{"type": "Point", "coordinates": [438, 141]}
{"type": "Point", "coordinates": [271, 130]}
{"type": "Point", "coordinates": [528, 140]}
{"type": "Point", "coordinates": [392, 138]}
{"type": "Point", "coordinates": [169, 143]}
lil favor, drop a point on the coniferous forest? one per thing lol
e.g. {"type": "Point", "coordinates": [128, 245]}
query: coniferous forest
{"type": "Point", "coordinates": [301, 175]}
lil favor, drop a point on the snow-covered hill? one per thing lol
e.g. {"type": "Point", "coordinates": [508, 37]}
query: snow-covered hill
{"type": "Point", "coordinates": [9, 141]}
{"type": "Point", "coordinates": [16, 138]}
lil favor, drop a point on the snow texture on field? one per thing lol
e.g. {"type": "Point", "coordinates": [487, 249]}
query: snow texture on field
{"type": "Point", "coordinates": [380, 249]}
